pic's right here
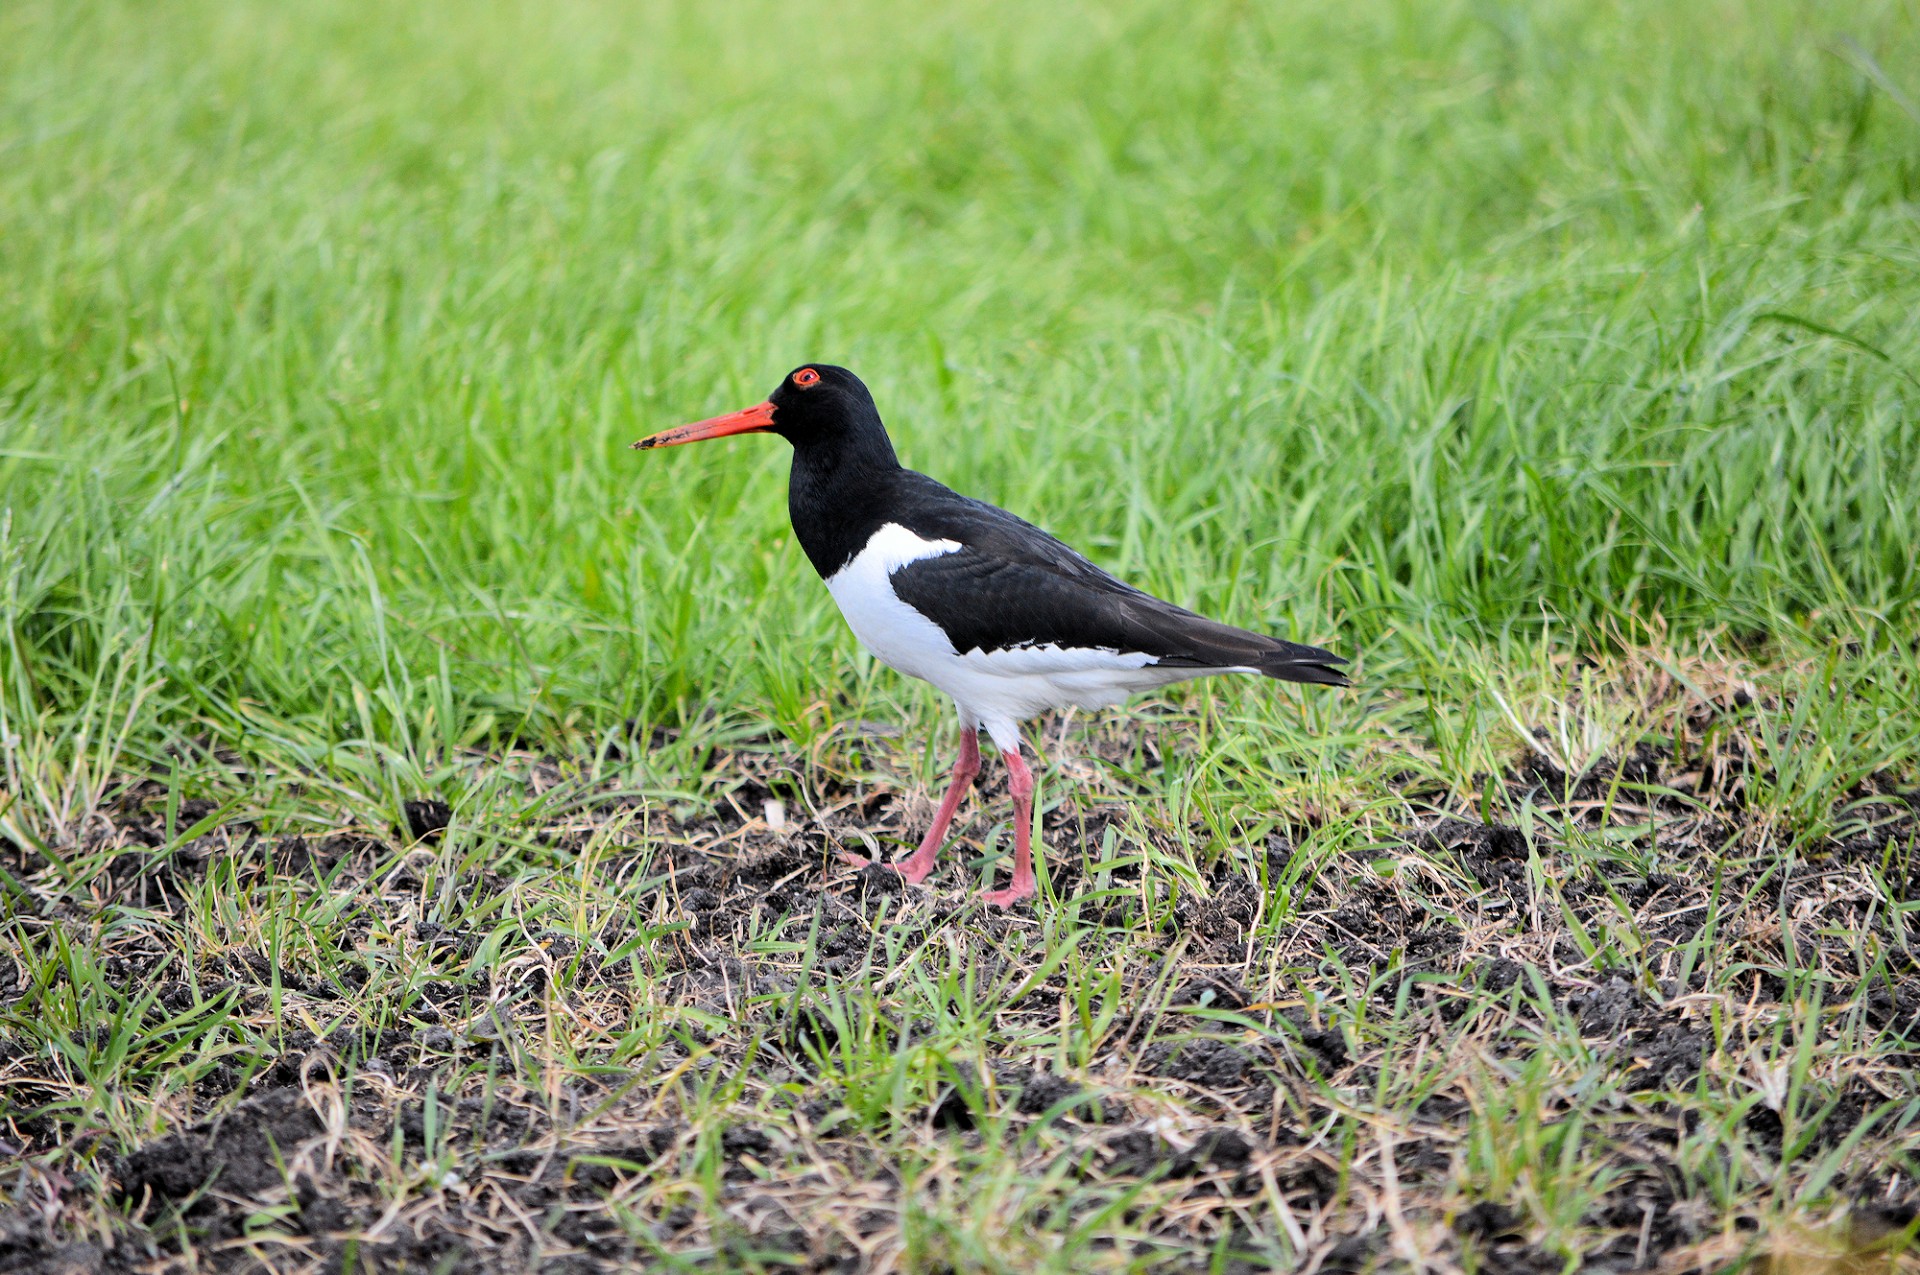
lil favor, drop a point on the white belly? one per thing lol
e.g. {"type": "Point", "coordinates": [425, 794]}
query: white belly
{"type": "Point", "coordinates": [994, 689]}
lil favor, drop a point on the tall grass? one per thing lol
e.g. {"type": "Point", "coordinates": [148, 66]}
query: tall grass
{"type": "Point", "coordinates": [1394, 326]}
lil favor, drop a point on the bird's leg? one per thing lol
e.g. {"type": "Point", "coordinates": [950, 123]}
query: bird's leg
{"type": "Point", "coordinates": [917, 866]}
{"type": "Point", "coordinates": [920, 862]}
{"type": "Point", "coordinates": [1020, 783]}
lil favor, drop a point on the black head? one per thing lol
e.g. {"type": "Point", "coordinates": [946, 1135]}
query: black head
{"type": "Point", "coordinates": [818, 408]}
{"type": "Point", "coordinates": [819, 402]}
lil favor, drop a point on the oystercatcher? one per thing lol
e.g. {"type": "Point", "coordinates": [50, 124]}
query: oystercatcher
{"type": "Point", "coordinates": [989, 608]}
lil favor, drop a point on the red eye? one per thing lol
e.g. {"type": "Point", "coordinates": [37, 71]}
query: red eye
{"type": "Point", "coordinates": [806, 378]}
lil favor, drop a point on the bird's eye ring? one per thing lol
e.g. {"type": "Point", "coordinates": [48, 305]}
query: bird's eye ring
{"type": "Point", "coordinates": [806, 378]}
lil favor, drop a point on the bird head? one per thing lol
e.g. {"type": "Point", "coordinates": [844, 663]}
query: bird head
{"type": "Point", "coordinates": [816, 403]}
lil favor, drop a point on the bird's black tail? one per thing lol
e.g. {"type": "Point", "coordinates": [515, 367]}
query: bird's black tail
{"type": "Point", "coordinates": [1197, 642]}
{"type": "Point", "coordinates": [1295, 662]}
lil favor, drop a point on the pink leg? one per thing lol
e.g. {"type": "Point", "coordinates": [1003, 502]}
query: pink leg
{"type": "Point", "coordinates": [1023, 885]}
{"type": "Point", "coordinates": [919, 865]}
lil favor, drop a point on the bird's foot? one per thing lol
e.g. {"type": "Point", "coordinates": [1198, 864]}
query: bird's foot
{"type": "Point", "coordinates": [910, 872]}
{"type": "Point", "coordinates": [1008, 897]}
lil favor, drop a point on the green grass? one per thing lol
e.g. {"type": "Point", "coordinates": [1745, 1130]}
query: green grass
{"type": "Point", "coordinates": [1556, 363]}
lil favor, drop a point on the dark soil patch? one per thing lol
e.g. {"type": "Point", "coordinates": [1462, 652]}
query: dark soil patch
{"type": "Point", "coordinates": [1208, 1064]}
{"type": "Point", "coordinates": [242, 1153]}
{"type": "Point", "coordinates": [427, 819]}
{"type": "Point", "coordinates": [1138, 1153]}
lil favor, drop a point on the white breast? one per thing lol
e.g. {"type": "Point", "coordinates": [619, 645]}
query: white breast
{"type": "Point", "coordinates": [894, 632]}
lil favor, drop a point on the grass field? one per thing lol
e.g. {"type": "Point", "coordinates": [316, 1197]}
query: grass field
{"type": "Point", "coordinates": [416, 810]}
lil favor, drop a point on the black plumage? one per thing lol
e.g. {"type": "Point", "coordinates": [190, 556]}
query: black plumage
{"type": "Point", "coordinates": [1013, 585]}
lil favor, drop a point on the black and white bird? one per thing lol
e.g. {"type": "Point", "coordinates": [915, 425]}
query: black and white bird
{"type": "Point", "coordinates": [992, 610]}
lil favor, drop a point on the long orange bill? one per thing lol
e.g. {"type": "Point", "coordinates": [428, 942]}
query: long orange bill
{"type": "Point", "coordinates": [753, 420]}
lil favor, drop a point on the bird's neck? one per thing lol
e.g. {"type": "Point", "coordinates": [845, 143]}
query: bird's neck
{"type": "Point", "coordinates": [838, 488]}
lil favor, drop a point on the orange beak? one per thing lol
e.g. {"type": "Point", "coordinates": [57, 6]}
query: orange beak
{"type": "Point", "coordinates": [757, 419]}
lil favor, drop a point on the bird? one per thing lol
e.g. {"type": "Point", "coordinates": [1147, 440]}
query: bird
{"type": "Point", "coordinates": [1005, 619]}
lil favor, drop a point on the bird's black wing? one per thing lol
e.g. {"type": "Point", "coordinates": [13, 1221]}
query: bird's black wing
{"type": "Point", "coordinates": [1012, 585]}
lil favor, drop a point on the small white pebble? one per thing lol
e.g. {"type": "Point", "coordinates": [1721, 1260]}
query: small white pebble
{"type": "Point", "coordinates": [776, 812]}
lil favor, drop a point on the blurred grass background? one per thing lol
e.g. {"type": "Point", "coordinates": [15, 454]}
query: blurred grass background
{"type": "Point", "coordinates": [1436, 333]}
